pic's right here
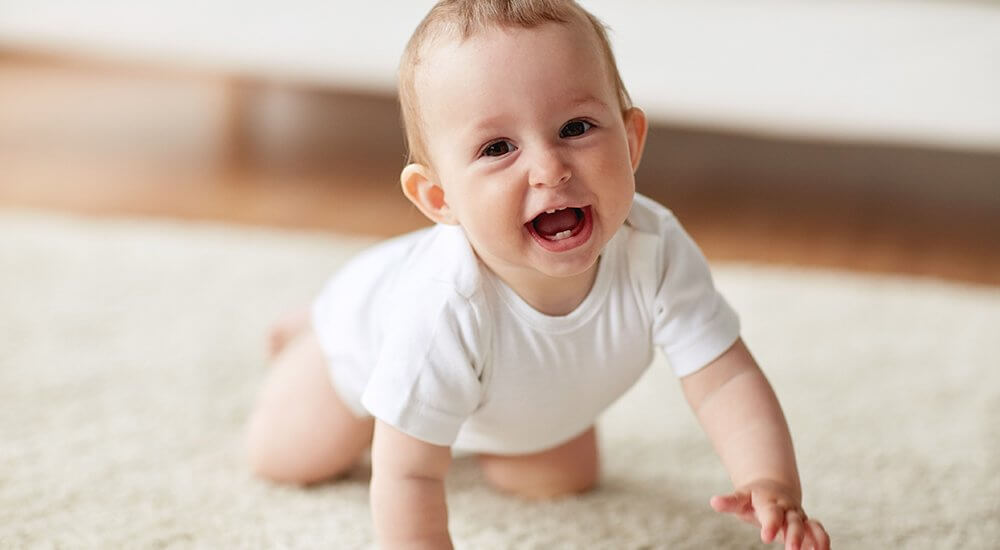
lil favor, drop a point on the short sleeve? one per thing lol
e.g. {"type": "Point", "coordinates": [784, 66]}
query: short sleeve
{"type": "Point", "coordinates": [692, 322]}
{"type": "Point", "coordinates": [427, 378]}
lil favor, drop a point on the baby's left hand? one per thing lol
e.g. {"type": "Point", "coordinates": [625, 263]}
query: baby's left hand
{"type": "Point", "coordinates": [776, 509]}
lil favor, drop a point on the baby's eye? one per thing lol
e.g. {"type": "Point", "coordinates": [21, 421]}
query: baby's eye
{"type": "Point", "coordinates": [498, 148]}
{"type": "Point", "coordinates": [575, 128]}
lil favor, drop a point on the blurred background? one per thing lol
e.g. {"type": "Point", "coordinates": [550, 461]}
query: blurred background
{"type": "Point", "coordinates": [841, 134]}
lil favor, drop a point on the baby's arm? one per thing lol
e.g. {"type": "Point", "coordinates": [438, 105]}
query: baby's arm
{"type": "Point", "coordinates": [407, 491]}
{"type": "Point", "coordinates": [738, 410]}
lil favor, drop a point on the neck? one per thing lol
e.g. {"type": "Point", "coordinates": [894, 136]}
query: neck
{"type": "Point", "coordinates": [551, 295]}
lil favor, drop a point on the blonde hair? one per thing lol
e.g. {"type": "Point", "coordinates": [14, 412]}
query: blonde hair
{"type": "Point", "coordinates": [465, 18]}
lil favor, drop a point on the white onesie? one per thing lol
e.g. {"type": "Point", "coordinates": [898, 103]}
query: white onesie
{"type": "Point", "coordinates": [421, 335]}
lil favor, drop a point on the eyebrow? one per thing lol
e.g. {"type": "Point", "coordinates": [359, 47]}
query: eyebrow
{"type": "Point", "coordinates": [583, 100]}
{"type": "Point", "coordinates": [487, 123]}
{"type": "Point", "coordinates": [493, 121]}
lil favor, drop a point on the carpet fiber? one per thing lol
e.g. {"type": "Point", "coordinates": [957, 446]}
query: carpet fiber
{"type": "Point", "coordinates": [131, 350]}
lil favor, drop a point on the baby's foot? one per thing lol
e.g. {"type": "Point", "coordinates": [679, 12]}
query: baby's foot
{"type": "Point", "coordinates": [286, 329]}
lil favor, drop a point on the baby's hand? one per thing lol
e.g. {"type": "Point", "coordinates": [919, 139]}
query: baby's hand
{"type": "Point", "coordinates": [776, 509]}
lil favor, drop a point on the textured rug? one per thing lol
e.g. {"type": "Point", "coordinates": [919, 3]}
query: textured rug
{"type": "Point", "coordinates": [130, 352]}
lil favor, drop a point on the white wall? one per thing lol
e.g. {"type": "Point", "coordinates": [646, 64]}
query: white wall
{"type": "Point", "coordinates": [912, 71]}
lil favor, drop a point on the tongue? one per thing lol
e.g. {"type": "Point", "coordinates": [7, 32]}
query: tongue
{"type": "Point", "coordinates": [550, 224]}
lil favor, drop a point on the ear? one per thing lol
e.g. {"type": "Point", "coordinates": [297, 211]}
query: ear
{"type": "Point", "coordinates": [635, 131]}
{"type": "Point", "coordinates": [420, 185]}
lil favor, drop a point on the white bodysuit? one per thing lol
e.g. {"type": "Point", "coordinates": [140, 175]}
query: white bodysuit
{"type": "Point", "coordinates": [421, 335]}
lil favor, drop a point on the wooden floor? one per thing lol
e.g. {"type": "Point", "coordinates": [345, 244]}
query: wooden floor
{"type": "Point", "coordinates": [112, 140]}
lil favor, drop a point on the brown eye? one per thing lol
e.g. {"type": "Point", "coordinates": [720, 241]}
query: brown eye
{"type": "Point", "coordinates": [498, 148]}
{"type": "Point", "coordinates": [575, 128]}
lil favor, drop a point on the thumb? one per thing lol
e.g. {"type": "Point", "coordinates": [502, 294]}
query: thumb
{"type": "Point", "coordinates": [731, 503]}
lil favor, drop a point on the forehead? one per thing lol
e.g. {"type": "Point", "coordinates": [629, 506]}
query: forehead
{"type": "Point", "coordinates": [511, 72]}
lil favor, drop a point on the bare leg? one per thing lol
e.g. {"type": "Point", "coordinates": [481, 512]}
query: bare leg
{"type": "Point", "coordinates": [572, 467]}
{"type": "Point", "coordinates": [300, 432]}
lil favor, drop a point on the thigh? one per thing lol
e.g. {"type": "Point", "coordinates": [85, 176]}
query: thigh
{"type": "Point", "coordinates": [572, 467]}
{"type": "Point", "coordinates": [300, 430]}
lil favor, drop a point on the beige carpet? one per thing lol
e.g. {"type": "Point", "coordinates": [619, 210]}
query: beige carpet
{"type": "Point", "coordinates": [130, 352]}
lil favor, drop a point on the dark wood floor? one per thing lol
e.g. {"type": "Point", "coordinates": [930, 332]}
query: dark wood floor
{"type": "Point", "coordinates": [112, 140]}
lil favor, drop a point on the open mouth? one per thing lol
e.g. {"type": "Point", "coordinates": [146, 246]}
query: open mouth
{"type": "Point", "coordinates": [562, 229]}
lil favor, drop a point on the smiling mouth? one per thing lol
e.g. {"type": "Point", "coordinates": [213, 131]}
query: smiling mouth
{"type": "Point", "coordinates": [563, 229]}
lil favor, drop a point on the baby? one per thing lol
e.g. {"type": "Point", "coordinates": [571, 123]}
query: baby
{"type": "Point", "coordinates": [532, 304]}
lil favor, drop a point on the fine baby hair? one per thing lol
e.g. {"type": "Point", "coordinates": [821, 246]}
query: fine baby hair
{"type": "Point", "coordinates": [451, 19]}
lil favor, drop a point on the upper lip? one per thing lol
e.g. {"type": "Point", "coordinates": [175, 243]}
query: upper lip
{"type": "Point", "coordinates": [554, 207]}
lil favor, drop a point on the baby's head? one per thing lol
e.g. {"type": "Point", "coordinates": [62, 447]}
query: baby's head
{"type": "Point", "coordinates": [520, 130]}
{"type": "Point", "coordinates": [451, 20]}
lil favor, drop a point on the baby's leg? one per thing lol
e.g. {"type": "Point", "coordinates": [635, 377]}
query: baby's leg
{"type": "Point", "coordinates": [569, 468]}
{"type": "Point", "coordinates": [300, 431]}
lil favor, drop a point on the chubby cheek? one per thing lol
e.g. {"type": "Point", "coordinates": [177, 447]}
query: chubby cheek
{"type": "Point", "coordinates": [616, 188]}
{"type": "Point", "coordinates": [501, 220]}
{"type": "Point", "coordinates": [492, 219]}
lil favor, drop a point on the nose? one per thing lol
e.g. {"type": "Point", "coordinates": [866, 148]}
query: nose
{"type": "Point", "coordinates": [548, 168]}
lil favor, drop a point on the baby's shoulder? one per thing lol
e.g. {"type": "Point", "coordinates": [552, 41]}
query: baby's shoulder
{"type": "Point", "coordinates": [436, 302]}
{"type": "Point", "coordinates": [440, 262]}
{"type": "Point", "coordinates": [429, 278]}
{"type": "Point", "coordinates": [650, 217]}
{"type": "Point", "coordinates": [650, 231]}
{"type": "Point", "coordinates": [658, 246]}
{"type": "Point", "coordinates": [421, 271]}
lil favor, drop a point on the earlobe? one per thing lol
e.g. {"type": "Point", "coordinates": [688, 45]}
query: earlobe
{"type": "Point", "coordinates": [422, 188]}
{"type": "Point", "coordinates": [636, 128]}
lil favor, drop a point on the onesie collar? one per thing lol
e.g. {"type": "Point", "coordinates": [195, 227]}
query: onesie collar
{"type": "Point", "coordinates": [584, 312]}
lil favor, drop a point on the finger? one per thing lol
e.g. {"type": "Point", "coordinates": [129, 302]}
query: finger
{"type": "Point", "coordinates": [818, 533]}
{"type": "Point", "coordinates": [737, 505]}
{"type": "Point", "coordinates": [795, 531]}
{"type": "Point", "coordinates": [734, 503]}
{"type": "Point", "coordinates": [771, 520]}
{"type": "Point", "coordinates": [808, 542]}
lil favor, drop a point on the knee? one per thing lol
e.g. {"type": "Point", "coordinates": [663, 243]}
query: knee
{"type": "Point", "coordinates": [272, 456]}
{"type": "Point", "coordinates": [264, 458]}
{"type": "Point", "coordinates": [282, 452]}
{"type": "Point", "coordinates": [581, 477]}
{"type": "Point", "coordinates": [570, 468]}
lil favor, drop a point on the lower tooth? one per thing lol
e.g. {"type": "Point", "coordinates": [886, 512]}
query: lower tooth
{"type": "Point", "coordinates": [562, 235]}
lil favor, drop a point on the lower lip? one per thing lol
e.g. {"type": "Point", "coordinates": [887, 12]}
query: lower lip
{"type": "Point", "coordinates": [579, 238]}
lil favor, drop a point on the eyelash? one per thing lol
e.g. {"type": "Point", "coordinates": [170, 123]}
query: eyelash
{"type": "Point", "coordinates": [511, 147]}
{"type": "Point", "coordinates": [588, 125]}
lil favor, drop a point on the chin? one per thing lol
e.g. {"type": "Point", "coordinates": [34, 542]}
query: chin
{"type": "Point", "coordinates": [568, 267]}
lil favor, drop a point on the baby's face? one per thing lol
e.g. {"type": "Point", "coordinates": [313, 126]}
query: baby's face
{"type": "Point", "coordinates": [526, 137]}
